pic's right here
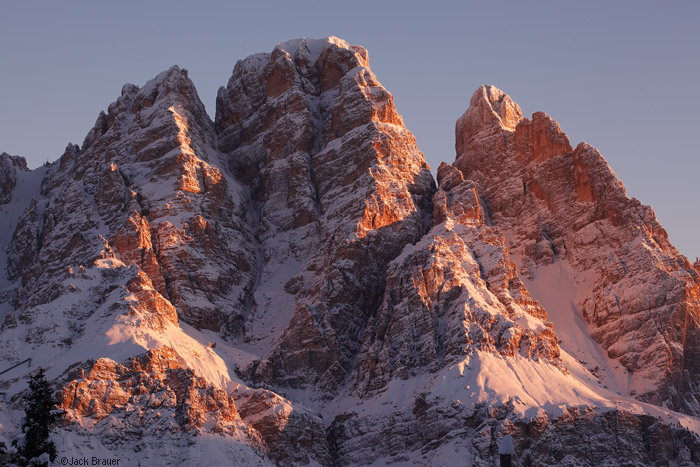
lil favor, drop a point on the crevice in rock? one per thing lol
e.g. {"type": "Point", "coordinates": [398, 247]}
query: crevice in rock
{"type": "Point", "coordinates": [253, 210]}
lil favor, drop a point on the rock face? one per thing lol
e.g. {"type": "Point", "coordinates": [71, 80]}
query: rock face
{"type": "Point", "coordinates": [144, 188]}
{"type": "Point", "coordinates": [438, 434]}
{"type": "Point", "coordinates": [555, 203]}
{"type": "Point", "coordinates": [154, 396]}
{"type": "Point", "coordinates": [339, 187]}
{"type": "Point", "coordinates": [9, 165]}
{"type": "Point", "coordinates": [286, 285]}
{"type": "Point", "coordinates": [453, 292]}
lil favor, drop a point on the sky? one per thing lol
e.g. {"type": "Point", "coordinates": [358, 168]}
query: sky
{"type": "Point", "coordinates": [622, 76]}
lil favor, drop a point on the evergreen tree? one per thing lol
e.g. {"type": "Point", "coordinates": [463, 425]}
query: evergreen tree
{"type": "Point", "coordinates": [38, 419]}
{"type": "Point", "coordinates": [3, 454]}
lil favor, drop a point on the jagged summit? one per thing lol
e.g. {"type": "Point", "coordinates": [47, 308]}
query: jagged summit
{"type": "Point", "coordinates": [294, 127]}
{"type": "Point", "coordinates": [172, 75]}
{"type": "Point", "coordinates": [312, 49]}
{"type": "Point", "coordinates": [488, 106]}
{"type": "Point", "coordinates": [170, 88]}
{"type": "Point", "coordinates": [564, 209]}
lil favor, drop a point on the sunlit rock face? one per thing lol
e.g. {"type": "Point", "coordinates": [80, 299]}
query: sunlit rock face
{"type": "Point", "coordinates": [154, 397]}
{"type": "Point", "coordinates": [137, 233]}
{"type": "Point", "coordinates": [558, 203]}
{"type": "Point", "coordinates": [338, 186]}
{"type": "Point", "coordinates": [145, 188]}
{"type": "Point", "coordinates": [454, 292]}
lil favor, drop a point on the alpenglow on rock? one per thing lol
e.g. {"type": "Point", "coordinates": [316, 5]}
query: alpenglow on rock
{"type": "Point", "coordinates": [338, 187]}
{"type": "Point", "coordinates": [286, 285]}
{"type": "Point", "coordinates": [564, 209]}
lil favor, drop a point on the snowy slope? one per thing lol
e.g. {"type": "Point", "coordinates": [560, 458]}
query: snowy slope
{"type": "Point", "coordinates": [558, 288]}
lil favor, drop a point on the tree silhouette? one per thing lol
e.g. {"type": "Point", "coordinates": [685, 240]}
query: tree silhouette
{"type": "Point", "coordinates": [4, 457]}
{"type": "Point", "coordinates": [36, 449]}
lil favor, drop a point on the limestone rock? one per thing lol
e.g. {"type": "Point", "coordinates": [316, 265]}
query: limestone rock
{"type": "Point", "coordinates": [554, 203]}
{"type": "Point", "coordinates": [454, 292]}
{"type": "Point", "coordinates": [339, 187]}
{"type": "Point", "coordinates": [434, 433]}
{"type": "Point", "coordinates": [286, 285]}
{"type": "Point", "coordinates": [9, 165]}
{"type": "Point", "coordinates": [146, 187]}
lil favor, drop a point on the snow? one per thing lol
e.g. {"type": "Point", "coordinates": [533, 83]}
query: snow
{"type": "Point", "coordinates": [274, 307]}
{"type": "Point", "coordinates": [205, 449]}
{"type": "Point", "coordinates": [111, 329]}
{"type": "Point", "coordinates": [28, 186]}
{"type": "Point", "coordinates": [481, 378]}
{"type": "Point", "coordinates": [531, 385]}
{"type": "Point", "coordinates": [314, 46]}
{"type": "Point", "coordinates": [558, 288]}
{"type": "Point", "coordinates": [109, 334]}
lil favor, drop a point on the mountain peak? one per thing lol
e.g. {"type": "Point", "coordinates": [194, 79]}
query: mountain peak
{"type": "Point", "coordinates": [311, 129]}
{"type": "Point", "coordinates": [165, 82]}
{"type": "Point", "coordinates": [489, 109]}
{"type": "Point", "coordinates": [314, 48]}
{"type": "Point", "coordinates": [565, 209]}
{"type": "Point", "coordinates": [170, 88]}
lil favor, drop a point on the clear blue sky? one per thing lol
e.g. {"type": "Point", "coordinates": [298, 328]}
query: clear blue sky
{"type": "Point", "coordinates": [622, 76]}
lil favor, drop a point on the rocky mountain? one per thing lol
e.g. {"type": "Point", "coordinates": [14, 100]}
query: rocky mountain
{"type": "Point", "coordinates": [564, 209]}
{"type": "Point", "coordinates": [337, 187]}
{"type": "Point", "coordinates": [286, 285]}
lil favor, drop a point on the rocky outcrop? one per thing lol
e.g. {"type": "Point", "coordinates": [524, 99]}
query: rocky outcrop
{"type": "Point", "coordinates": [556, 203]}
{"type": "Point", "coordinates": [9, 165]}
{"type": "Point", "coordinates": [153, 385]}
{"type": "Point", "coordinates": [290, 435]}
{"type": "Point", "coordinates": [454, 292]}
{"type": "Point", "coordinates": [339, 187]}
{"type": "Point", "coordinates": [436, 433]}
{"type": "Point", "coordinates": [154, 396]}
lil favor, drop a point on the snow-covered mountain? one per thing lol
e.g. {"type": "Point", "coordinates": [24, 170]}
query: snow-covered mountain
{"type": "Point", "coordinates": [287, 286]}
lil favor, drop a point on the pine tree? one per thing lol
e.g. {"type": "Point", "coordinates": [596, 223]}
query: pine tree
{"type": "Point", "coordinates": [38, 419]}
{"type": "Point", "coordinates": [4, 457]}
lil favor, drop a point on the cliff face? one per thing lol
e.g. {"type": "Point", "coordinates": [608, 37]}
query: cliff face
{"type": "Point", "coordinates": [9, 165]}
{"type": "Point", "coordinates": [145, 188]}
{"type": "Point", "coordinates": [286, 285]}
{"type": "Point", "coordinates": [338, 187]}
{"type": "Point", "coordinates": [559, 205]}
{"type": "Point", "coordinates": [451, 294]}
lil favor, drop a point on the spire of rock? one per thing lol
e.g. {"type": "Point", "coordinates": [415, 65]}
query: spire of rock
{"type": "Point", "coordinates": [490, 110]}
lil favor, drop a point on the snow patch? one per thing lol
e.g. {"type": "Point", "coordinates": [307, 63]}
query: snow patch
{"type": "Point", "coordinates": [314, 46]}
{"type": "Point", "coordinates": [28, 186]}
{"type": "Point", "coordinates": [558, 288]}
